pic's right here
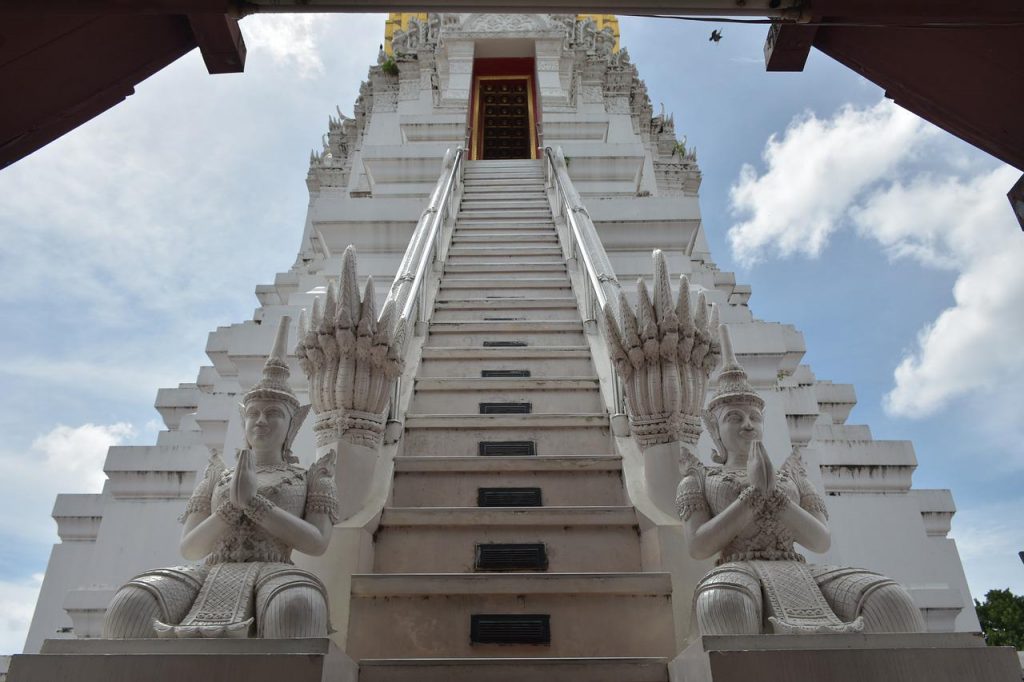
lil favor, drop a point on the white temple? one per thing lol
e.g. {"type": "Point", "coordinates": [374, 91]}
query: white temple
{"type": "Point", "coordinates": [508, 426]}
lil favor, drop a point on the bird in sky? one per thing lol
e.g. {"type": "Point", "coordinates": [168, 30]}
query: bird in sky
{"type": "Point", "coordinates": [716, 35]}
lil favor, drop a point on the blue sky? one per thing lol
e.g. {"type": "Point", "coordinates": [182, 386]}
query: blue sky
{"type": "Point", "coordinates": [888, 243]}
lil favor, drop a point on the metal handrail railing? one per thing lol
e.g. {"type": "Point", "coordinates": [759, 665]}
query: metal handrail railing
{"type": "Point", "coordinates": [583, 243]}
{"type": "Point", "coordinates": [426, 247]}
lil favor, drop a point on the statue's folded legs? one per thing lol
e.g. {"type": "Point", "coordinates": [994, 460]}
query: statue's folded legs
{"type": "Point", "coordinates": [290, 603]}
{"type": "Point", "coordinates": [883, 603]}
{"type": "Point", "coordinates": [729, 601]}
{"type": "Point", "coordinates": [163, 595]}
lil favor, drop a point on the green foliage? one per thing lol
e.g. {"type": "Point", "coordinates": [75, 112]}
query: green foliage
{"type": "Point", "coordinates": [389, 67]}
{"type": "Point", "coordinates": [1002, 618]}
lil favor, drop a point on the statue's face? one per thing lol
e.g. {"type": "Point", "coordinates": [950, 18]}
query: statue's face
{"type": "Point", "coordinates": [266, 424]}
{"type": "Point", "coordinates": [739, 426]}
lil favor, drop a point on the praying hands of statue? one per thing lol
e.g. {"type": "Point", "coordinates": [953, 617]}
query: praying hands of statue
{"type": "Point", "coordinates": [244, 484]}
{"type": "Point", "coordinates": [760, 471]}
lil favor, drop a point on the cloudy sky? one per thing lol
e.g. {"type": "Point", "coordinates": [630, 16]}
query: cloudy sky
{"type": "Point", "coordinates": [888, 242]}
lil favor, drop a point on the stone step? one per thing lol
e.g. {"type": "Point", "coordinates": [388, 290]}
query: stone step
{"type": "Point", "coordinates": [531, 332]}
{"type": "Point", "coordinates": [504, 225]}
{"type": "Point", "coordinates": [487, 384]}
{"type": "Point", "coordinates": [576, 539]}
{"type": "Point", "coordinates": [474, 173]}
{"type": "Point", "coordinates": [492, 183]}
{"type": "Point", "coordinates": [504, 251]}
{"type": "Point", "coordinates": [552, 434]}
{"type": "Point", "coordinates": [506, 209]}
{"type": "Point", "coordinates": [541, 361]}
{"type": "Point", "coordinates": [503, 173]}
{"type": "Point", "coordinates": [405, 616]}
{"type": "Point", "coordinates": [580, 480]}
{"type": "Point", "coordinates": [504, 191]}
{"type": "Point", "coordinates": [502, 267]}
{"type": "Point", "coordinates": [495, 194]}
{"type": "Point", "coordinates": [478, 283]}
{"type": "Point", "coordinates": [508, 287]}
{"type": "Point", "coordinates": [518, 203]}
{"type": "Point", "coordinates": [476, 259]}
{"type": "Point", "coordinates": [505, 228]}
{"type": "Point", "coordinates": [464, 298]}
{"type": "Point", "coordinates": [491, 309]}
{"type": "Point", "coordinates": [464, 395]}
{"type": "Point", "coordinates": [498, 290]}
{"type": "Point", "coordinates": [504, 214]}
{"type": "Point", "coordinates": [509, 314]}
{"type": "Point", "coordinates": [514, 670]}
{"type": "Point", "coordinates": [533, 237]}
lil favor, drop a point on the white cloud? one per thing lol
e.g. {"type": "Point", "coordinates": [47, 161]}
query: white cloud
{"type": "Point", "coordinates": [814, 171]}
{"type": "Point", "coordinates": [964, 225]}
{"type": "Point", "coordinates": [17, 603]}
{"type": "Point", "coordinates": [64, 459]}
{"type": "Point", "coordinates": [857, 169]}
{"type": "Point", "coordinates": [77, 453]}
{"type": "Point", "coordinates": [292, 39]}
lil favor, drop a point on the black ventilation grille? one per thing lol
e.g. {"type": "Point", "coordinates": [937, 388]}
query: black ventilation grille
{"type": "Point", "coordinates": [510, 629]}
{"type": "Point", "coordinates": [506, 408]}
{"type": "Point", "coordinates": [511, 557]}
{"type": "Point", "coordinates": [503, 319]}
{"type": "Point", "coordinates": [508, 497]}
{"type": "Point", "coordinates": [508, 448]}
{"type": "Point", "coordinates": [504, 373]}
{"type": "Point", "coordinates": [504, 344]}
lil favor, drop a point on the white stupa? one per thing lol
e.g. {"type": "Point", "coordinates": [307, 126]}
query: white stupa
{"type": "Point", "coordinates": [507, 387]}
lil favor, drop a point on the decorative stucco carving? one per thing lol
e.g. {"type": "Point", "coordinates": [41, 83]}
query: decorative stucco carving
{"type": "Point", "coordinates": [245, 521]}
{"type": "Point", "coordinates": [664, 352]}
{"type": "Point", "coordinates": [418, 35]}
{"type": "Point", "coordinates": [352, 360]}
{"type": "Point", "coordinates": [505, 23]}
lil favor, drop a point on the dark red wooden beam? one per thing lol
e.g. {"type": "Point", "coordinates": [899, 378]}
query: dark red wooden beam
{"type": "Point", "coordinates": [220, 41]}
{"type": "Point", "coordinates": [787, 46]}
{"type": "Point", "coordinates": [969, 82]}
{"type": "Point", "coordinates": [62, 70]}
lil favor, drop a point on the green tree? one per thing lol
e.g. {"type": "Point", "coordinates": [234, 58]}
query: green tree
{"type": "Point", "coordinates": [1002, 618]}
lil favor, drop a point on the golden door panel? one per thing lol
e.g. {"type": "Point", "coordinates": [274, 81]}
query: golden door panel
{"type": "Point", "coordinates": [505, 119]}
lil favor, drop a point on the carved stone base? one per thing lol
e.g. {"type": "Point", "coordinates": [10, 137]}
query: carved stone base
{"type": "Point", "coordinates": [175, 660]}
{"type": "Point", "coordinates": [947, 657]}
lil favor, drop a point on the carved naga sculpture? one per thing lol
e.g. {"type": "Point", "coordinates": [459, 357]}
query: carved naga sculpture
{"type": "Point", "coordinates": [751, 515]}
{"type": "Point", "coordinates": [664, 353]}
{"type": "Point", "coordinates": [352, 360]}
{"type": "Point", "coordinates": [245, 521]}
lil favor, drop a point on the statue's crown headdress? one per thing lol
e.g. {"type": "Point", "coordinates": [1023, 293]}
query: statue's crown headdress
{"type": "Point", "coordinates": [733, 387]}
{"type": "Point", "coordinates": [273, 385]}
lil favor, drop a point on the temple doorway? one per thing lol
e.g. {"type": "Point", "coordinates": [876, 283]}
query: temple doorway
{"type": "Point", "coordinates": [504, 124]}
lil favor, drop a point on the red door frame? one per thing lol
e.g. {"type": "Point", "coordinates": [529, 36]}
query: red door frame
{"type": "Point", "coordinates": [512, 67]}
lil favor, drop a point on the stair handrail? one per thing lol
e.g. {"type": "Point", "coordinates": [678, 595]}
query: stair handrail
{"type": "Point", "coordinates": [584, 245]}
{"type": "Point", "coordinates": [408, 280]}
{"type": "Point", "coordinates": [408, 293]}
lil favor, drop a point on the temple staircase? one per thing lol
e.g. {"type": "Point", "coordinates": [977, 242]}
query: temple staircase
{"type": "Point", "coordinates": [508, 550]}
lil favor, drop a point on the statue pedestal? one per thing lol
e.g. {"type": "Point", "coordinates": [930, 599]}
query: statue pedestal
{"type": "Point", "coordinates": [946, 657]}
{"type": "Point", "coordinates": [177, 660]}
